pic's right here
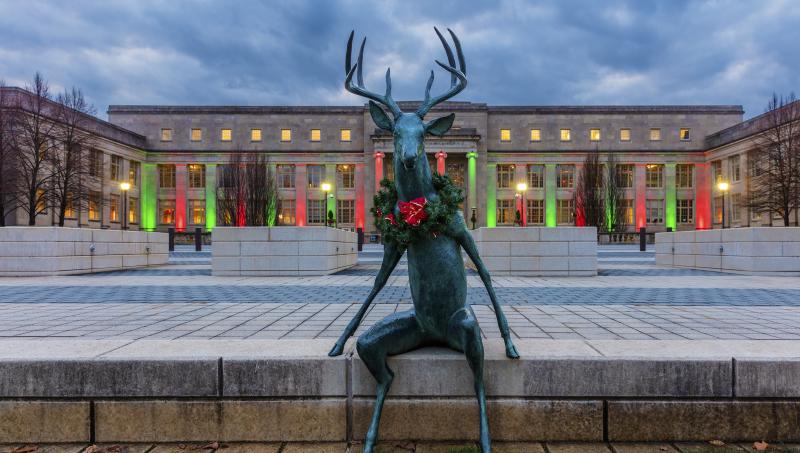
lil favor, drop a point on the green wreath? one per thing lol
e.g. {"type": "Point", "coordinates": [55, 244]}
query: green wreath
{"type": "Point", "coordinates": [440, 213]}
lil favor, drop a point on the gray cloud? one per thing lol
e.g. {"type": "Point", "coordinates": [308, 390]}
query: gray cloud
{"type": "Point", "coordinates": [518, 52]}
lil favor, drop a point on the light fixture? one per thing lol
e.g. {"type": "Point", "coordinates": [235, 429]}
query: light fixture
{"type": "Point", "coordinates": [723, 186]}
{"type": "Point", "coordinates": [325, 187]}
{"type": "Point", "coordinates": [124, 186]}
{"type": "Point", "coordinates": [522, 187]}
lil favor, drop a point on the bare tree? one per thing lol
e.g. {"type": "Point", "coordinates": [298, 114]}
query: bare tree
{"type": "Point", "coordinates": [589, 195]}
{"type": "Point", "coordinates": [247, 192]}
{"type": "Point", "coordinates": [35, 135]}
{"type": "Point", "coordinates": [614, 210]}
{"type": "Point", "coordinates": [775, 160]}
{"type": "Point", "coordinates": [8, 164]}
{"type": "Point", "coordinates": [70, 163]}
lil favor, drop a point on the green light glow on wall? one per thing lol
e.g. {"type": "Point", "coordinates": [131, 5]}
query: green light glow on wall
{"type": "Point", "coordinates": [472, 178]}
{"type": "Point", "coordinates": [671, 199]}
{"type": "Point", "coordinates": [211, 196]}
{"type": "Point", "coordinates": [491, 196]}
{"type": "Point", "coordinates": [149, 197]}
{"type": "Point", "coordinates": [550, 195]}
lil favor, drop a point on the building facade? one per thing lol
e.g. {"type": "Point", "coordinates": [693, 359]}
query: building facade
{"type": "Point", "coordinates": [669, 159]}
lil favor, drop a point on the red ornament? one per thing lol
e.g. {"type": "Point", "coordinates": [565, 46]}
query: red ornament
{"type": "Point", "coordinates": [413, 212]}
{"type": "Point", "coordinates": [390, 218]}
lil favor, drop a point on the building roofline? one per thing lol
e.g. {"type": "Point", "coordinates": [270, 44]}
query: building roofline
{"type": "Point", "coordinates": [619, 109]}
{"type": "Point", "coordinates": [741, 130]}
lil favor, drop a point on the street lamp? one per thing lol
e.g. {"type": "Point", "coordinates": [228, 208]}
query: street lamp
{"type": "Point", "coordinates": [326, 187]}
{"type": "Point", "coordinates": [723, 187]}
{"type": "Point", "coordinates": [521, 189]}
{"type": "Point", "coordinates": [124, 187]}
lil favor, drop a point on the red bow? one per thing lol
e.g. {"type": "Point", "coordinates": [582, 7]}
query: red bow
{"type": "Point", "coordinates": [413, 212]}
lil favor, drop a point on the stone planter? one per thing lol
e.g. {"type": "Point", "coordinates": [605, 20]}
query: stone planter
{"type": "Point", "coordinates": [282, 251]}
{"type": "Point", "coordinates": [538, 251]}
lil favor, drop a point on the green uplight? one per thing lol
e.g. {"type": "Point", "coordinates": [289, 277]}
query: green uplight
{"type": "Point", "coordinates": [149, 197]}
{"type": "Point", "coordinates": [491, 196]}
{"type": "Point", "coordinates": [211, 197]}
{"type": "Point", "coordinates": [671, 199]}
{"type": "Point", "coordinates": [550, 195]}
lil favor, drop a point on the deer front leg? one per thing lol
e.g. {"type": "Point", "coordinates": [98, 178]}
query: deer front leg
{"type": "Point", "coordinates": [391, 256]}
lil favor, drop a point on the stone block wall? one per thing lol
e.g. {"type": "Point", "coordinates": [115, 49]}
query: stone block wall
{"type": "Point", "coordinates": [752, 251]}
{"type": "Point", "coordinates": [282, 251]}
{"type": "Point", "coordinates": [36, 251]}
{"type": "Point", "coordinates": [537, 251]}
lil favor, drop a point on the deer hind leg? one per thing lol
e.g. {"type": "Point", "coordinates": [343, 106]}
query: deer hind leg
{"type": "Point", "coordinates": [394, 334]}
{"type": "Point", "coordinates": [464, 334]}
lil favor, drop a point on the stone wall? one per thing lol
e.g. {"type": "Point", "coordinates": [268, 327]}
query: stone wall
{"type": "Point", "coordinates": [537, 251]}
{"type": "Point", "coordinates": [753, 251]}
{"type": "Point", "coordinates": [282, 251]}
{"type": "Point", "coordinates": [35, 251]}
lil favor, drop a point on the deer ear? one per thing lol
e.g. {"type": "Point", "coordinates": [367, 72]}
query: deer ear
{"type": "Point", "coordinates": [440, 126]}
{"type": "Point", "coordinates": [380, 118]}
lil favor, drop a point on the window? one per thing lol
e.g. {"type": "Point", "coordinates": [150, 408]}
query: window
{"type": "Point", "coordinates": [718, 209]}
{"type": "Point", "coordinates": [566, 212]}
{"type": "Point", "coordinates": [535, 176]}
{"type": "Point", "coordinates": [133, 172]}
{"type": "Point", "coordinates": [197, 176]}
{"type": "Point", "coordinates": [345, 135]}
{"type": "Point", "coordinates": [255, 135]}
{"type": "Point", "coordinates": [113, 208]}
{"type": "Point", "coordinates": [69, 209]}
{"type": "Point", "coordinates": [655, 134]}
{"type": "Point", "coordinates": [133, 210]}
{"type": "Point", "coordinates": [346, 176]}
{"type": "Point", "coordinates": [346, 212]}
{"type": "Point", "coordinates": [94, 206]}
{"type": "Point", "coordinates": [166, 176]}
{"type": "Point", "coordinates": [536, 135]}
{"type": "Point", "coordinates": [565, 176]}
{"type": "Point", "coordinates": [566, 135]}
{"type": "Point", "coordinates": [315, 175]}
{"type": "Point", "coordinates": [196, 135]}
{"type": "Point", "coordinates": [226, 135]}
{"type": "Point", "coordinates": [116, 168]}
{"type": "Point", "coordinates": [506, 213]}
{"type": "Point", "coordinates": [505, 135]}
{"type": "Point", "coordinates": [226, 175]}
{"type": "Point", "coordinates": [455, 170]}
{"type": "Point", "coordinates": [654, 212]}
{"type": "Point", "coordinates": [626, 209]}
{"type": "Point", "coordinates": [286, 176]}
{"type": "Point", "coordinates": [534, 212]}
{"type": "Point", "coordinates": [624, 135]}
{"type": "Point", "coordinates": [95, 163]}
{"type": "Point", "coordinates": [685, 211]}
{"type": "Point", "coordinates": [735, 167]}
{"type": "Point", "coordinates": [654, 176]}
{"type": "Point", "coordinates": [684, 178]}
{"type": "Point", "coordinates": [736, 207]}
{"type": "Point", "coordinates": [286, 215]}
{"type": "Point", "coordinates": [716, 169]}
{"type": "Point", "coordinates": [624, 176]}
{"type": "Point", "coordinates": [316, 212]}
{"type": "Point", "coordinates": [197, 212]}
{"type": "Point", "coordinates": [594, 135]}
{"type": "Point", "coordinates": [505, 176]}
{"type": "Point", "coordinates": [316, 135]}
{"type": "Point", "coordinates": [286, 135]}
{"type": "Point", "coordinates": [167, 208]}
{"type": "Point", "coordinates": [685, 134]}
{"type": "Point", "coordinates": [166, 135]}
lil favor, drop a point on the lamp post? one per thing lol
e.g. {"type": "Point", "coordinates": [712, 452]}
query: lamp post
{"type": "Point", "coordinates": [521, 189]}
{"type": "Point", "coordinates": [326, 187]}
{"type": "Point", "coordinates": [723, 187]}
{"type": "Point", "coordinates": [124, 187]}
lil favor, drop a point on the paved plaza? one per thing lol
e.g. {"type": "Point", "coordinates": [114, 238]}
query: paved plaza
{"type": "Point", "coordinates": [631, 298]}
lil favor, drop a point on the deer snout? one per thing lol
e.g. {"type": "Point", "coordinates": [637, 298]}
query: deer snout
{"type": "Point", "coordinates": [409, 160]}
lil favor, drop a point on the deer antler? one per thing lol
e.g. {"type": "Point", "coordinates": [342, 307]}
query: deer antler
{"type": "Point", "coordinates": [458, 77]}
{"type": "Point", "coordinates": [358, 88]}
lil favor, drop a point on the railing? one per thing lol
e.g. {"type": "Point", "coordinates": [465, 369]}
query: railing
{"type": "Point", "coordinates": [623, 238]}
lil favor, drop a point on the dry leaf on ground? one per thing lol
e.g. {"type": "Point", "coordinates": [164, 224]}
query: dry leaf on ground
{"type": "Point", "coordinates": [760, 446]}
{"type": "Point", "coordinates": [717, 443]}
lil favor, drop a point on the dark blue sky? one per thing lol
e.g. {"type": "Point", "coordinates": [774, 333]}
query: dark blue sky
{"type": "Point", "coordinates": [518, 52]}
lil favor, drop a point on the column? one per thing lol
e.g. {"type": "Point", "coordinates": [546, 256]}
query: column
{"type": "Point", "coordinates": [702, 202]}
{"type": "Point", "coordinates": [440, 164]}
{"type": "Point", "coordinates": [330, 198]}
{"type": "Point", "coordinates": [378, 170]}
{"type": "Point", "coordinates": [491, 195]}
{"type": "Point", "coordinates": [272, 205]}
{"type": "Point", "coordinates": [521, 175]}
{"type": "Point", "coordinates": [148, 194]}
{"type": "Point", "coordinates": [580, 214]}
{"type": "Point", "coordinates": [472, 187]}
{"type": "Point", "coordinates": [300, 185]}
{"type": "Point", "coordinates": [360, 195]}
{"type": "Point", "coordinates": [180, 197]}
{"type": "Point", "coordinates": [640, 187]}
{"type": "Point", "coordinates": [550, 218]}
{"type": "Point", "coordinates": [670, 197]}
{"type": "Point", "coordinates": [211, 196]}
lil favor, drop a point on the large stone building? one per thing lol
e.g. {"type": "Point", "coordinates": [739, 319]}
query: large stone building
{"type": "Point", "coordinates": [670, 155]}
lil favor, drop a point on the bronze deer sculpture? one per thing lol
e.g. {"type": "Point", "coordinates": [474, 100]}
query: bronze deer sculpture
{"type": "Point", "coordinates": [436, 272]}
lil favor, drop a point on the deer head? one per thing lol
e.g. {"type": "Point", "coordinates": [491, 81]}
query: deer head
{"type": "Point", "coordinates": [409, 129]}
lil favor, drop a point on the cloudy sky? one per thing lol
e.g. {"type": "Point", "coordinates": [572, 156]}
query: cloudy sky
{"type": "Point", "coordinates": [564, 52]}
